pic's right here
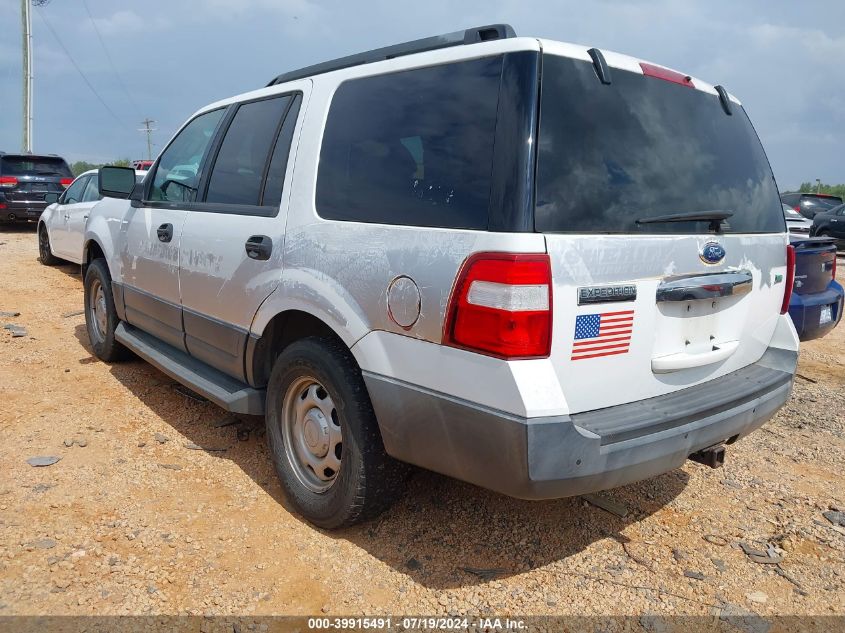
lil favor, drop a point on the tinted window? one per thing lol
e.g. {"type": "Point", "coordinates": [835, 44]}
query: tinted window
{"type": "Point", "coordinates": [823, 203]}
{"type": "Point", "coordinates": [34, 165]}
{"type": "Point", "coordinates": [413, 148]}
{"type": "Point", "coordinates": [238, 171]}
{"type": "Point", "coordinates": [279, 161]}
{"type": "Point", "coordinates": [643, 147]}
{"type": "Point", "coordinates": [177, 175]}
{"type": "Point", "coordinates": [75, 191]}
{"type": "Point", "coordinates": [91, 191]}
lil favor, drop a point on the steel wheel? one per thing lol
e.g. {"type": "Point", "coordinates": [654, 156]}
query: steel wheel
{"type": "Point", "coordinates": [99, 311]}
{"type": "Point", "coordinates": [312, 435]}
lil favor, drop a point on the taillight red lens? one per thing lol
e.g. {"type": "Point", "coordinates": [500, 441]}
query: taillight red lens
{"type": "Point", "coordinates": [797, 208]}
{"type": "Point", "coordinates": [790, 278]}
{"type": "Point", "coordinates": [650, 70]}
{"type": "Point", "coordinates": [833, 269]}
{"type": "Point", "coordinates": [2, 206]}
{"type": "Point", "coordinates": [66, 181]}
{"type": "Point", "coordinates": [501, 305]}
{"type": "Point", "coordinates": [8, 181]}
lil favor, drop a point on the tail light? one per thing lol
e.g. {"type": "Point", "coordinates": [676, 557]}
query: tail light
{"type": "Point", "coordinates": [790, 278]}
{"type": "Point", "coordinates": [66, 182]}
{"type": "Point", "coordinates": [650, 70]}
{"type": "Point", "coordinates": [2, 205]}
{"type": "Point", "coordinates": [833, 272]}
{"type": "Point", "coordinates": [7, 182]}
{"type": "Point", "coordinates": [797, 208]}
{"type": "Point", "coordinates": [501, 305]}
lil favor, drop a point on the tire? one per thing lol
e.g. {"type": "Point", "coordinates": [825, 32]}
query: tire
{"type": "Point", "coordinates": [100, 316]}
{"type": "Point", "coordinates": [823, 233]}
{"type": "Point", "coordinates": [45, 253]}
{"type": "Point", "coordinates": [321, 376]}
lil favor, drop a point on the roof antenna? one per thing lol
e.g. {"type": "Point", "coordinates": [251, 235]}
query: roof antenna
{"type": "Point", "coordinates": [725, 100]}
{"type": "Point", "coordinates": [602, 69]}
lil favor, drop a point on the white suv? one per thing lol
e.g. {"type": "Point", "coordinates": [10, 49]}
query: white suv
{"type": "Point", "coordinates": [539, 268]}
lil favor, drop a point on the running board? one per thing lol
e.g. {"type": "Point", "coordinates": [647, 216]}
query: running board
{"type": "Point", "coordinates": [219, 388]}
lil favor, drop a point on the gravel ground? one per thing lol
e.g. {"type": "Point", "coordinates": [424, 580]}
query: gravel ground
{"type": "Point", "coordinates": [134, 519]}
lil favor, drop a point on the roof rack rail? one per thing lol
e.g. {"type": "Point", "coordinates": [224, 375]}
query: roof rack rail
{"type": "Point", "coordinates": [458, 38]}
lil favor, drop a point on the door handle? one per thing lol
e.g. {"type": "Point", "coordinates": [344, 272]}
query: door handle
{"type": "Point", "coordinates": [706, 286]}
{"type": "Point", "coordinates": [259, 247]}
{"type": "Point", "coordinates": [165, 232]}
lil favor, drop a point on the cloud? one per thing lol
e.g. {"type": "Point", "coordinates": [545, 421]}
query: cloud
{"type": "Point", "coordinates": [127, 22]}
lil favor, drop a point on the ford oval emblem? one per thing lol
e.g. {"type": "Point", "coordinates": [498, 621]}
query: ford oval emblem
{"type": "Point", "coordinates": [712, 253]}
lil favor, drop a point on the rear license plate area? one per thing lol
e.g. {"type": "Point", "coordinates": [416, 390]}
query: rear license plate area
{"type": "Point", "coordinates": [826, 315]}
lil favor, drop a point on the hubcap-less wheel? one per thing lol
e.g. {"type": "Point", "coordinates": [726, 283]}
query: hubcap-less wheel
{"type": "Point", "coordinates": [99, 310]}
{"type": "Point", "coordinates": [312, 435]}
{"type": "Point", "coordinates": [44, 244]}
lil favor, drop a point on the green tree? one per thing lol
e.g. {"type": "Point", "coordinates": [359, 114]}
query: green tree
{"type": "Point", "coordinates": [81, 166]}
{"type": "Point", "coordinates": [834, 190]}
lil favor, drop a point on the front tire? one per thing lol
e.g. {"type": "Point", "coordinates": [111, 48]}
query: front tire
{"type": "Point", "coordinates": [324, 438]}
{"type": "Point", "coordinates": [100, 315]}
{"type": "Point", "coordinates": [45, 253]}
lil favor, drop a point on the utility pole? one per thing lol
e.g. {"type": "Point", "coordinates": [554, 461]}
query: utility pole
{"type": "Point", "coordinates": [149, 130]}
{"type": "Point", "coordinates": [818, 185]}
{"type": "Point", "coordinates": [26, 23]}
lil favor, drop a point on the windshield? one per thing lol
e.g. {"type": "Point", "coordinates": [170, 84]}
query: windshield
{"type": "Point", "coordinates": [33, 166]}
{"type": "Point", "coordinates": [642, 147]}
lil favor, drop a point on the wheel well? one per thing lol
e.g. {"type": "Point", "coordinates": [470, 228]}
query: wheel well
{"type": "Point", "coordinates": [282, 330]}
{"type": "Point", "coordinates": [92, 252]}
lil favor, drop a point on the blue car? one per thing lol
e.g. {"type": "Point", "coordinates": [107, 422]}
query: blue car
{"type": "Point", "coordinates": [816, 303]}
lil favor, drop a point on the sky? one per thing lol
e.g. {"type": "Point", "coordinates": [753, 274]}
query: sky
{"type": "Point", "coordinates": [164, 59]}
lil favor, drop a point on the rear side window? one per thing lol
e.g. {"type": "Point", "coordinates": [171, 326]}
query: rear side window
{"type": "Point", "coordinates": [412, 148]}
{"type": "Point", "coordinates": [279, 161]}
{"type": "Point", "coordinates": [34, 166]}
{"type": "Point", "coordinates": [238, 171]}
{"type": "Point", "coordinates": [643, 147]}
{"type": "Point", "coordinates": [91, 193]}
{"type": "Point", "coordinates": [75, 191]}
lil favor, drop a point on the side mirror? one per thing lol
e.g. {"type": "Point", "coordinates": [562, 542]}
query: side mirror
{"type": "Point", "coordinates": [116, 182]}
{"type": "Point", "coordinates": [51, 198]}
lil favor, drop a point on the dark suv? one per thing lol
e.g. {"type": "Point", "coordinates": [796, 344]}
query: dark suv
{"type": "Point", "coordinates": [808, 204]}
{"type": "Point", "coordinates": [24, 181]}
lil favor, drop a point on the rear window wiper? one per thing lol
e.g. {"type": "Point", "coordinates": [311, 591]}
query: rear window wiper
{"type": "Point", "coordinates": [715, 217]}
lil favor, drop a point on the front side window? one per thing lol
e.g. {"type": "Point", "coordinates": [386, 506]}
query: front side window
{"type": "Point", "coordinates": [238, 171]}
{"type": "Point", "coordinates": [641, 147]}
{"type": "Point", "coordinates": [413, 147]}
{"type": "Point", "coordinates": [75, 191]}
{"type": "Point", "coordinates": [177, 175]}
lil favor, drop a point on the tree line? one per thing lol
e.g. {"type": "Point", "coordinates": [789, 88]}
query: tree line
{"type": "Point", "coordinates": [81, 166]}
{"type": "Point", "coordinates": [811, 187]}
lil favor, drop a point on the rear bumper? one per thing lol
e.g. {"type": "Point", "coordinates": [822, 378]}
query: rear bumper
{"type": "Point", "coordinates": [561, 456]}
{"type": "Point", "coordinates": [805, 310]}
{"type": "Point", "coordinates": [17, 212]}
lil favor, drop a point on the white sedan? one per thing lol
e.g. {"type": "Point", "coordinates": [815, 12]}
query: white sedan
{"type": "Point", "coordinates": [62, 224]}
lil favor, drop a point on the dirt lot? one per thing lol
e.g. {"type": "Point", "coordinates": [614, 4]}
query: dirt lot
{"type": "Point", "coordinates": [134, 519]}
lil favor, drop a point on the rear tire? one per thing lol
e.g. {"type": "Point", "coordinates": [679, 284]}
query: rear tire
{"type": "Point", "coordinates": [823, 233]}
{"type": "Point", "coordinates": [45, 253]}
{"type": "Point", "coordinates": [100, 315]}
{"type": "Point", "coordinates": [324, 438]}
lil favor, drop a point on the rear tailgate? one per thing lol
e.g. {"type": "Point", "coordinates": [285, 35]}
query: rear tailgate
{"type": "Point", "coordinates": [815, 262]}
{"type": "Point", "coordinates": [645, 305]}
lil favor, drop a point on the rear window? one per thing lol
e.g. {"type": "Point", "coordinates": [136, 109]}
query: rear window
{"type": "Point", "coordinates": [34, 166]}
{"type": "Point", "coordinates": [414, 147]}
{"type": "Point", "coordinates": [643, 147]}
{"type": "Point", "coordinates": [825, 202]}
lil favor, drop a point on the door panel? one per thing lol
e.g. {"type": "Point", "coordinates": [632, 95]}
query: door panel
{"type": "Point", "coordinates": [59, 228]}
{"type": "Point", "coordinates": [151, 273]}
{"type": "Point", "coordinates": [152, 232]}
{"type": "Point", "coordinates": [231, 249]}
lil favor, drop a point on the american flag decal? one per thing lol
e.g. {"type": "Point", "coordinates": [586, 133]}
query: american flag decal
{"type": "Point", "coordinates": [602, 334]}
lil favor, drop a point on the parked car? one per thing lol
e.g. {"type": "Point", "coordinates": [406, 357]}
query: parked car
{"type": "Point", "coordinates": [795, 222]}
{"type": "Point", "coordinates": [808, 204]}
{"type": "Point", "coordinates": [24, 181]}
{"type": "Point", "coordinates": [61, 227]}
{"type": "Point", "coordinates": [394, 274]}
{"type": "Point", "coordinates": [830, 223]}
{"type": "Point", "coordinates": [142, 165]}
{"type": "Point", "coordinates": [816, 303]}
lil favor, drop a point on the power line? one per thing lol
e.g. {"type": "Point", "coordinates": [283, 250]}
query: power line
{"type": "Point", "coordinates": [108, 57]}
{"type": "Point", "coordinates": [78, 69]}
